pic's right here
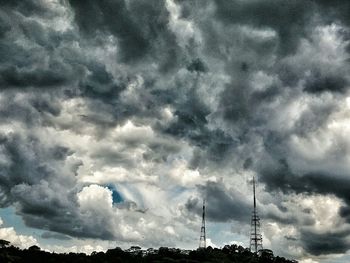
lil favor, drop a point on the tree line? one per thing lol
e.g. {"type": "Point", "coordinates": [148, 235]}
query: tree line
{"type": "Point", "coordinates": [227, 254]}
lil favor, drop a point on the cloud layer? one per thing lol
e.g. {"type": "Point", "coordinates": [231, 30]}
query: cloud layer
{"type": "Point", "coordinates": [118, 117]}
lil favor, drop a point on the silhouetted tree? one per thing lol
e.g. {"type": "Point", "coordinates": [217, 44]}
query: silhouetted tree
{"type": "Point", "coordinates": [228, 254]}
{"type": "Point", "coordinates": [4, 243]}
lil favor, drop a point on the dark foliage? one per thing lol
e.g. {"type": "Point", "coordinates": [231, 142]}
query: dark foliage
{"type": "Point", "coordinates": [230, 253]}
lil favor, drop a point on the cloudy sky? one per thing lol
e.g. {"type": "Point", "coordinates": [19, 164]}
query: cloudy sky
{"type": "Point", "coordinates": [118, 117]}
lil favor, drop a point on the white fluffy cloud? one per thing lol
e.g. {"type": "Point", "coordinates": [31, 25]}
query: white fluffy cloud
{"type": "Point", "coordinates": [9, 234]}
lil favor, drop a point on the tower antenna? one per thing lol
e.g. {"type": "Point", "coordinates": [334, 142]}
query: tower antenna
{"type": "Point", "coordinates": [255, 235]}
{"type": "Point", "coordinates": [202, 239]}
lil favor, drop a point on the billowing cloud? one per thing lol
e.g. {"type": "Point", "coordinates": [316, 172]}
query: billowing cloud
{"type": "Point", "coordinates": [119, 117]}
{"type": "Point", "coordinates": [10, 234]}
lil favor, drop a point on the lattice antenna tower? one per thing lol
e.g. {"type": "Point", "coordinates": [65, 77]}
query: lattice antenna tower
{"type": "Point", "coordinates": [255, 234]}
{"type": "Point", "coordinates": [202, 239]}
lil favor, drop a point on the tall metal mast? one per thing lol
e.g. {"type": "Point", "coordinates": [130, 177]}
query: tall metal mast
{"type": "Point", "coordinates": [255, 235]}
{"type": "Point", "coordinates": [202, 239]}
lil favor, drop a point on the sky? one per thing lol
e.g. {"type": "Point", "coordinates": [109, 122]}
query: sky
{"type": "Point", "coordinates": [118, 117]}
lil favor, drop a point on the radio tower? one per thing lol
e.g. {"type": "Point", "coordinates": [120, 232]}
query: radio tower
{"type": "Point", "coordinates": [202, 239]}
{"type": "Point", "coordinates": [255, 235]}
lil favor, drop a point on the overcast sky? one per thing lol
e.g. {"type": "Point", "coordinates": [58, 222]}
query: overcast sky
{"type": "Point", "coordinates": [118, 117]}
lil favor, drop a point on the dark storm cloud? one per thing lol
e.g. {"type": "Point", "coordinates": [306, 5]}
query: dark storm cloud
{"type": "Point", "coordinates": [45, 68]}
{"type": "Point", "coordinates": [22, 165]}
{"type": "Point", "coordinates": [139, 26]}
{"type": "Point", "coordinates": [37, 63]}
{"type": "Point", "coordinates": [27, 7]}
{"type": "Point", "coordinates": [100, 83]}
{"type": "Point", "coordinates": [197, 65]}
{"type": "Point", "coordinates": [325, 243]}
{"type": "Point", "coordinates": [318, 83]}
{"type": "Point", "coordinates": [292, 19]}
{"type": "Point", "coordinates": [338, 9]}
{"type": "Point", "coordinates": [192, 120]}
{"type": "Point", "coordinates": [280, 177]}
{"type": "Point", "coordinates": [43, 192]}
{"type": "Point", "coordinates": [70, 223]}
{"type": "Point", "coordinates": [25, 66]}
{"type": "Point", "coordinates": [215, 143]}
{"type": "Point", "coordinates": [222, 204]}
{"type": "Point", "coordinates": [113, 17]}
{"type": "Point", "coordinates": [344, 212]}
{"type": "Point", "coordinates": [27, 165]}
{"type": "Point", "coordinates": [34, 181]}
{"type": "Point", "coordinates": [235, 103]}
{"type": "Point", "coordinates": [13, 77]}
{"type": "Point", "coordinates": [46, 105]}
{"type": "Point", "coordinates": [289, 19]}
{"type": "Point", "coordinates": [5, 26]}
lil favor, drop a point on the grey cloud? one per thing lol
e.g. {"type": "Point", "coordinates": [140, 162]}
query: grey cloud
{"type": "Point", "coordinates": [225, 204]}
{"type": "Point", "coordinates": [280, 177]}
{"type": "Point", "coordinates": [100, 83]}
{"type": "Point", "coordinates": [291, 20]}
{"type": "Point", "coordinates": [140, 27]}
{"type": "Point", "coordinates": [197, 65]}
{"type": "Point", "coordinates": [291, 238]}
{"type": "Point", "coordinates": [192, 123]}
{"type": "Point", "coordinates": [233, 127]}
{"type": "Point", "coordinates": [29, 108]}
{"type": "Point", "coordinates": [131, 38]}
{"type": "Point", "coordinates": [222, 204]}
{"type": "Point", "coordinates": [109, 157]}
{"type": "Point", "coordinates": [344, 212]}
{"type": "Point", "coordinates": [46, 105]}
{"type": "Point", "coordinates": [319, 83]}
{"type": "Point", "coordinates": [22, 160]}
{"type": "Point", "coordinates": [27, 7]}
{"type": "Point", "coordinates": [5, 26]}
{"type": "Point", "coordinates": [13, 77]}
{"type": "Point", "coordinates": [337, 9]}
{"type": "Point", "coordinates": [52, 235]}
{"type": "Point", "coordinates": [37, 63]}
{"type": "Point", "coordinates": [43, 192]}
{"type": "Point", "coordinates": [325, 243]}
